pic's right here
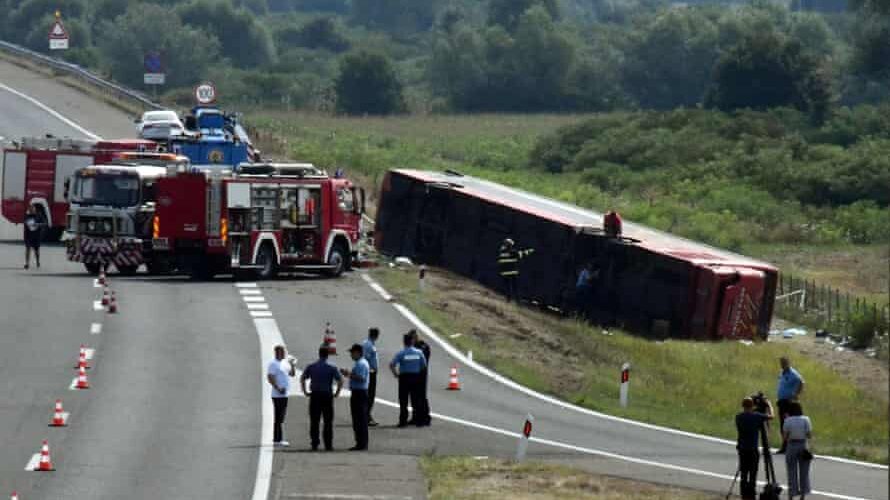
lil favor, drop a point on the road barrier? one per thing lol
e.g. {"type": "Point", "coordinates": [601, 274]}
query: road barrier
{"type": "Point", "coordinates": [330, 339]}
{"type": "Point", "coordinates": [46, 464]}
{"type": "Point", "coordinates": [625, 384]}
{"type": "Point", "coordinates": [81, 74]}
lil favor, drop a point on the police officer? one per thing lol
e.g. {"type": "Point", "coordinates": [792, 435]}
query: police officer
{"type": "Point", "coordinates": [358, 402]}
{"type": "Point", "coordinates": [422, 417]}
{"type": "Point", "coordinates": [508, 266]}
{"type": "Point", "coordinates": [406, 366]}
{"type": "Point", "coordinates": [369, 349]}
{"type": "Point", "coordinates": [321, 400]}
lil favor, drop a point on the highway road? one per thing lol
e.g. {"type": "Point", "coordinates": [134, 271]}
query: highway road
{"type": "Point", "coordinates": [177, 407]}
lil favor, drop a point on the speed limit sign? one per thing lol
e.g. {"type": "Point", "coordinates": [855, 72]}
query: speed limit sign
{"type": "Point", "coordinates": [205, 93]}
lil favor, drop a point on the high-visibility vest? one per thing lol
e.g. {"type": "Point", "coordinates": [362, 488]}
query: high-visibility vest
{"type": "Point", "coordinates": [508, 260]}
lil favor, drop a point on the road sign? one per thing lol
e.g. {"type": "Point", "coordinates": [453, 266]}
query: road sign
{"type": "Point", "coordinates": [154, 69]}
{"type": "Point", "coordinates": [205, 93]}
{"type": "Point", "coordinates": [154, 78]}
{"type": "Point", "coordinates": [58, 35]}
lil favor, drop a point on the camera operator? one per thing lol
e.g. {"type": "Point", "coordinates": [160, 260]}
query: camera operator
{"type": "Point", "coordinates": [756, 410]}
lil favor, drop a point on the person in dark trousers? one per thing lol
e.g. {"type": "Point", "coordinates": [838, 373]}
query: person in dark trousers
{"type": "Point", "coordinates": [278, 375]}
{"type": "Point", "coordinates": [369, 351]}
{"type": "Point", "coordinates": [509, 259]}
{"type": "Point", "coordinates": [33, 234]}
{"type": "Point", "coordinates": [584, 291]}
{"type": "Point", "coordinates": [358, 402]}
{"type": "Point", "coordinates": [788, 391]}
{"type": "Point", "coordinates": [322, 376]}
{"type": "Point", "coordinates": [422, 417]}
{"type": "Point", "coordinates": [749, 425]}
{"type": "Point", "coordinates": [798, 457]}
{"type": "Point", "coordinates": [406, 365]}
{"type": "Point", "coordinates": [612, 224]}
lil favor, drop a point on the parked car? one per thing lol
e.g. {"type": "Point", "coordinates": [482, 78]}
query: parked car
{"type": "Point", "coordinates": [159, 125]}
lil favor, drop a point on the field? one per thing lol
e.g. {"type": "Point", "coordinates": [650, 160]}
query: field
{"type": "Point", "coordinates": [464, 478]}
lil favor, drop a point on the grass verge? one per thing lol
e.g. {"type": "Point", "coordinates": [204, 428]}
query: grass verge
{"type": "Point", "coordinates": [465, 478]}
{"type": "Point", "coordinates": [693, 386]}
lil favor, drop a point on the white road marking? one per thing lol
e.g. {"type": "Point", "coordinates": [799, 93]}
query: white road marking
{"type": "Point", "coordinates": [73, 385]}
{"type": "Point", "coordinates": [344, 496]}
{"type": "Point", "coordinates": [250, 291]}
{"type": "Point", "coordinates": [95, 328]}
{"type": "Point", "coordinates": [429, 332]}
{"type": "Point", "coordinates": [245, 285]}
{"type": "Point", "coordinates": [89, 353]}
{"type": "Point", "coordinates": [33, 463]}
{"type": "Point", "coordinates": [270, 336]}
{"type": "Point", "coordinates": [253, 306]}
{"type": "Point", "coordinates": [254, 298]}
{"type": "Point", "coordinates": [96, 283]}
{"type": "Point", "coordinates": [97, 305]}
{"type": "Point", "coordinates": [261, 314]}
{"type": "Point", "coordinates": [52, 112]}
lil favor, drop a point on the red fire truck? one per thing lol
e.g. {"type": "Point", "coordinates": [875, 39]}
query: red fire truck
{"type": "Point", "coordinates": [35, 171]}
{"type": "Point", "coordinates": [263, 218]}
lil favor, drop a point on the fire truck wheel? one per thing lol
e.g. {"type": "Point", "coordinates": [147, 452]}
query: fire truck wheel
{"type": "Point", "coordinates": [127, 270]}
{"type": "Point", "coordinates": [267, 260]}
{"type": "Point", "coordinates": [338, 259]}
{"type": "Point", "coordinates": [92, 268]}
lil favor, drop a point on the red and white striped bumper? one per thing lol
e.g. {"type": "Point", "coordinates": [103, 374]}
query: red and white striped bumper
{"type": "Point", "coordinates": [123, 251]}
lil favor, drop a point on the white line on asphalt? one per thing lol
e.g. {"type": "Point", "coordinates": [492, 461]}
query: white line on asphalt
{"type": "Point", "coordinates": [73, 385]}
{"type": "Point", "coordinates": [253, 306]}
{"type": "Point", "coordinates": [250, 291]}
{"type": "Point", "coordinates": [245, 285]}
{"type": "Point", "coordinates": [270, 336]}
{"type": "Point", "coordinates": [97, 305]}
{"type": "Point", "coordinates": [261, 314]}
{"type": "Point", "coordinates": [95, 328]}
{"type": "Point", "coordinates": [65, 416]}
{"type": "Point", "coordinates": [52, 112]}
{"type": "Point", "coordinates": [33, 463]}
{"type": "Point", "coordinates": [341, 496]}
{"type": "Point", "coordinates": [254, 298]}
{"type": "Point", "coordinates": [96, 283]}
{"type": "Point", "coordinates": [89, 353]}
{"type": "Point", "coordinates": [410, 316]}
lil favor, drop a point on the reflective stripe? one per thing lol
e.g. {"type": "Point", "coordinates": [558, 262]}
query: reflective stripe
{"type": "Point", "coordinates": [507, 261]}
{"type": "Point", "coordinates": [510, 273]}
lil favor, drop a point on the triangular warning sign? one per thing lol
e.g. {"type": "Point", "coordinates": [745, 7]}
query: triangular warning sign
{"type": "Point", "coordinates": [58, 31]}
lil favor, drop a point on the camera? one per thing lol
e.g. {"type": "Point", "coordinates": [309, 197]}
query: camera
{"type": "Point", "coordinates": [761, 403]}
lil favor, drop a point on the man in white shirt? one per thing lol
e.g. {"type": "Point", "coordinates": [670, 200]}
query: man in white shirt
{"type": "Point", "coordinates": [278, 374]}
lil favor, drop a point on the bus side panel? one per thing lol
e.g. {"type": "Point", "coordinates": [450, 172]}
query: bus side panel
{"type": "Point", "coordinates": [14, 163]}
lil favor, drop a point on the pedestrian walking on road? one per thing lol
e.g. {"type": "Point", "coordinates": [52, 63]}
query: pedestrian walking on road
{"type": "Point", "coordinates": [789, 388]}
{"type": "Point", "coordinates": [422, 416]}
{"type": "Point", "coordinates": [797, 432]}
{"type": "Point", "coordinates": [749, 425]}
{"type": "Point", "coordinates": [278, 374]}
{"type": "Point", "coordinates": [359, 378]}
{"type": "Point", "coordinates": [406, 366]}
{"type": "Point", "coordinates": [322, 376]}
{"type": "Point", "coordinates": [369, 351]}
{"type": "Point", "coordinates": [32, 236]}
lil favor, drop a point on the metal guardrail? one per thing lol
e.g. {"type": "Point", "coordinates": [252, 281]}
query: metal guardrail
{"type": "Point", "coordinates": [79, 73]}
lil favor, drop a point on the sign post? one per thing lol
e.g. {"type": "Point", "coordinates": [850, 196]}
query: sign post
{"type": "Point", "coordinates": [522, 447]}
{"type": "Point", "coordinates": [625, 384]}
{"type": "Point", "coordinates": [154, 71]}
{"type": "Point", "coordinates": [58, 35]}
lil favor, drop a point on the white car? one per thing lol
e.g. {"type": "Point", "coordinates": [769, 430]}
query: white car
{"type": "Point", "coordinates": [159, 125]}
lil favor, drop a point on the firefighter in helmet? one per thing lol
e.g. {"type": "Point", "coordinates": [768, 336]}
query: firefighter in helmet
{"type": "Point", "coordinates": [509, 258]}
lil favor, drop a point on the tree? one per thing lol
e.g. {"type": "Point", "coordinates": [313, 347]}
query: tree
{"type": "Point", "coordinates": [400, 17]}
{"type": "Point", "coordinates": [871, 50]}
{"type": "Point", "coordinates": [320, 33]}
{"type": "Point", "coordinates": [23, 18]}
{"type": "Point", "coordinates": [367, 84]}
{"type": "Point", "coordinates": [245, 41]}
{"type": "Point", "coordinates": [506, 13]}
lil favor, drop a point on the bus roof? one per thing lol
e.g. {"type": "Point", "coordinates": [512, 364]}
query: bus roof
{"type": "Point", "coordinates": [581, 218]}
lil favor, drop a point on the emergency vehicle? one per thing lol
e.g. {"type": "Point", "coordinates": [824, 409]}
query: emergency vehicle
{"type": "Point", "coordinates": [261, 218]}
{"type": "Point", "coordinates": [214, 138]}
{"type": "Point", "coordinates": [112, 206]}
{"type": "Point", "coordinates": [35, 170]}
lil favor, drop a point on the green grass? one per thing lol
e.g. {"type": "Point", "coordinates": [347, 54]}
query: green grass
{"type": "Point", "coordinates": [465, 478]}
{"type": "Point", "coordinates": [693, 386]}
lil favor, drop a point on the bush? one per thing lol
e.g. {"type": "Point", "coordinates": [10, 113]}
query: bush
{"type": "Point", "coordinates": [863, 327]}
{"type": "Point", "coordinates": [367, 84]}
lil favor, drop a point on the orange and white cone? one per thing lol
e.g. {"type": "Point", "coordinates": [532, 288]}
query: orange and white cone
{"type": "Point", "coordinates": [82, 381]}
{"type": "Point", "coordinates": [15, 496]}
{"type": "Point", "coordinates": [46, 463]}
{"type": "Point", "coordinates": [102, 280]}
{"type": "Point", "coordinates": [453, 382]}
{"type": "Point", "coordinates": [112, 305]}
{"type": "Point", "coordinates": [330, 339]}
{"type": "Point", "coordinates": [58, 417]}
{"type": "Point", "coordinates": [82, 359]}
{"type": "Point", "coordinates": [105, 296]}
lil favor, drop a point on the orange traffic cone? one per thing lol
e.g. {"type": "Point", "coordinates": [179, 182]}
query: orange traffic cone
{"type": "Point", "coordinates": [15, 496]}
{"type": "Point", "coordinates": [105, 296]}
{"type": "Point", "coordinates": [330, 339]}
{"type": "Point", "coordinates": [102, 280]}
{"type": "Point", "coordinates": [112, 305]}
{"type": "Point", "coordinates": [453, 383]}
{"type": "Point", "coordinates": [58, 417]}
{"type": "Point", "coordinates": [82, 360]}
{"type": "Point", "coordinates": [82, 382]}
{"type": "Point", "coordinates": [45, 464]}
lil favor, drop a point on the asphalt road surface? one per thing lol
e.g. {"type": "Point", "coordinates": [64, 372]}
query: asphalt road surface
{"type": "Point", "coordinates": [177, 407]}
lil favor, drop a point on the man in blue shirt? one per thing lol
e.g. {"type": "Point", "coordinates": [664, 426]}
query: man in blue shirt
{"type": "Point", "coordinates": [789, 388]}
{"type": "Point", "coordinates": [749, 425]}
{"type": "Point", "coordinates": [407, 366]}
{"type": "Point", "coordinates": [359, 378]}
{"type": "Point", "coordinates": [321, 398]}
{"type": "Point", "coordinates": [369, 350]}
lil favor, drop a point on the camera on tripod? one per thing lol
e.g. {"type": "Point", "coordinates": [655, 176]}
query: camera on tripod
{"type": "Point", "coordinates": [761, 403]}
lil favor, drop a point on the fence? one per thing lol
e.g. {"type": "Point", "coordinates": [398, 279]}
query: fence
{"type": "Point", "coordinates": [79, 73]}
{"type": "Point", "coordinates": [821, 306]}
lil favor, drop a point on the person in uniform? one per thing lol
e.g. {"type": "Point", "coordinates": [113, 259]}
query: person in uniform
{"type": "Point", "coordinates": [407, 365]}
{"type": "Point", "coordinates": [422, 417]}
{"type": "Point", "coordinates": [508, 262]}
{"type": "Point", "coordinates": [322, 376]}
{"type": "Point", "coordinates": [32, 236]}
{"type": "Point", "coordinates": [369, 350]}
{"type": "Point", "coordinates": [358, 402]}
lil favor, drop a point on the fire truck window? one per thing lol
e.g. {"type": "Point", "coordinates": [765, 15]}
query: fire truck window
{"type": "Point", "coordinates": [345, 200]}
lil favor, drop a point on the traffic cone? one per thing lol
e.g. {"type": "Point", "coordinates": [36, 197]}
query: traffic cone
{"type": "Point", "coordinates": [58, 418]}
{"type": "Point", "coordinates": [112, 305]}
{"type": "Point", "coordinates": [105, 296]}
{"type": "Point", "coordinates": [102, 280]}
{"type": "Point", "coordinates": [82, 382]}
{"type": "Point", "coordinates": [45, 464]}
{"type": "Point", "coordinates": [453, 383]}
{"type": "Point", "coordinates": [82, 360]}
{"type": "Point", "coordinates": [15, 496]}
{"type": "Point", "coordinates": [330, 339]}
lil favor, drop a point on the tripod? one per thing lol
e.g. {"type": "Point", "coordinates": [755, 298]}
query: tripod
{"type": "Point", "coordinates": [772, 490]}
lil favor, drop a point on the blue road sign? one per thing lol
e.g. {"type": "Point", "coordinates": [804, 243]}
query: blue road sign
{"type": "Point", "coordinates": [152, 62]}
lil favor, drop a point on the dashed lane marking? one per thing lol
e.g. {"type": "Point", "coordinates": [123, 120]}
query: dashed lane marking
{"type": "Point", "coordinates": [245, 285]}
{"type": "Point", "coordinates": [254, 298]}
{"type": "Point", "coordinates": [97, 305]}
{"type": "Point", "coordinates": [32, 464]}
{"type": "Point", "coordinates": [95, 328]}
{"type": "Point", "coordinates": [261, 314]}
{"type": "Point", "coordinates": [250, 291]}
{"type": "Point", "coordinates": [255, 306]}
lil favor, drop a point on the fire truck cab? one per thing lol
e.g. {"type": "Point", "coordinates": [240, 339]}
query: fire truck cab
{"type": "Point", "coordinates": [263, 218]}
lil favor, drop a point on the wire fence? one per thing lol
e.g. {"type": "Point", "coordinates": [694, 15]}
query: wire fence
{"type": "Point", "coordinates": [823, 307]}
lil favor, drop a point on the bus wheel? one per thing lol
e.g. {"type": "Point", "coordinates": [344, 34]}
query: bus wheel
{"type": "Point", "coordinates": [269, 265]}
